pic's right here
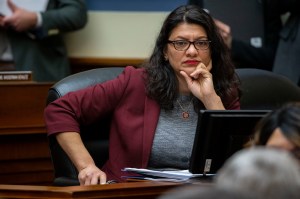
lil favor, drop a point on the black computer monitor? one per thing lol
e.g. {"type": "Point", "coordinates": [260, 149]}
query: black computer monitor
{"type": "Point", "coordinates": [219, 134]}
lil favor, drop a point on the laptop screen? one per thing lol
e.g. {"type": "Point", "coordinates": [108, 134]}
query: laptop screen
{"type": "Point", "coordinates": [245, 17]}
{"type": "Point", "coordinates": [219, 134]}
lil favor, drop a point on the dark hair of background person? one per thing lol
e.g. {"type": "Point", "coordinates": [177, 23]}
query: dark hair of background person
{"type": "Point", "coordinates": [162, 83]}
{"type": "Point", "coordinates": [287, 118]}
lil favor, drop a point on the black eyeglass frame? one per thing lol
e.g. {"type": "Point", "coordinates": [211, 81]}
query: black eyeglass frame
{"type": "Point", "coordinates": [190, 42]}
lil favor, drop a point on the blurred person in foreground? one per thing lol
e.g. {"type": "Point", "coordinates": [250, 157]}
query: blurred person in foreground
{"type": "Point", "coordinates": [203, 192]}
{"type": "Point", "coordinates": [268, 172]}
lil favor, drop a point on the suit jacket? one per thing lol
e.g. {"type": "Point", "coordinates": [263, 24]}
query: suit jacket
{"type": "Point", "coordinates": [134, 118]}
{"type": "Point", "coordinates": [247, 56]}
{"type": "Point", "coordinates": [287, 61]}
{"type": "Point", "coordinates": [43, 51]}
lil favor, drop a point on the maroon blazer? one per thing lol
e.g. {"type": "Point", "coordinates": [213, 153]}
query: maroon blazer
{"type": "Point", "coordinates": [134, 118]}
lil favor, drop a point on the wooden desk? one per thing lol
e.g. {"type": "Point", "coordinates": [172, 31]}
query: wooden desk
{"type": "Point", "coordinates": [24, 151]}
{"type": "Point", "coordinates": [130, 190]}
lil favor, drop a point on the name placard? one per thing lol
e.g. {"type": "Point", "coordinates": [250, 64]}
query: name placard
{"type": "Point", "coordinates": [15, 75]}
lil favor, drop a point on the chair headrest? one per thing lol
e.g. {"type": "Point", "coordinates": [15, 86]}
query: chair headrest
{"type": "Point", "coordinates": [81, 80]}
{"type": "Point", "coordinates": [262, 89]}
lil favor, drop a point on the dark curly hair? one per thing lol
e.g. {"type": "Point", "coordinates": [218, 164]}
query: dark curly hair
{"type": "Point", "coordinates": [161, 82]}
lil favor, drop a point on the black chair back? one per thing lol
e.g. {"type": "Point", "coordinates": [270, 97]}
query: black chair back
{"type": "Point", "coordinates": [263, 89]}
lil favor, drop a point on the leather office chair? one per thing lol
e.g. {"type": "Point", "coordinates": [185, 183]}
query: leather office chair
{"type": "Point", "coordinates": [95, 141]}
{"type": "Point", "coordinates": [263, 89]}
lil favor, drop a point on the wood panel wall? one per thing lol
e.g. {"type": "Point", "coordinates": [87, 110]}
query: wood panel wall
{"type": "Point", "coordinates": [24, 151]}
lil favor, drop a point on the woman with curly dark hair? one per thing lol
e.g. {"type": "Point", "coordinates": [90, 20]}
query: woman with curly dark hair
{"type": "Point", "coordinates": [164, 78]}
{"type": "Point", "coordinates": [155, 107]}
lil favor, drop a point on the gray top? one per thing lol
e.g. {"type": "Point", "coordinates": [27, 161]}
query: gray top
{"type": "Point", "coordinates": [174, 136]}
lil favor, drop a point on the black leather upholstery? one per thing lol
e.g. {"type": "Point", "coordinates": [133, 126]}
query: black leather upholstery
{"type": "Point", "coordinates": [96, 136]}
{"type": "Point", "coordinates": [263, 89]}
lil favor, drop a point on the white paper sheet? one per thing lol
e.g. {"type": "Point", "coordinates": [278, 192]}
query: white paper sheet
{"type": "Point", "coordinates": [31, 5]}
{"type": "Point", "coordinates": [171, 174]}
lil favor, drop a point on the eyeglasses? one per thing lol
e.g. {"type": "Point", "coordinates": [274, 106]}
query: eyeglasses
{"type": "Point", "coordinates": [182, 45]}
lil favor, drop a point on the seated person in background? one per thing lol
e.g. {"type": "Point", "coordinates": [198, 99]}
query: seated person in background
{"type": "Point", "coordinates": [267, 172]}
{"type": "Point", "coordinates": [33, 41]}
{"type": "Point", "coordinates": [246, 55]}
{"type": "Point", "coordinates": [280, 129]}
{"type": "Point", "coordinates": [154, 108]}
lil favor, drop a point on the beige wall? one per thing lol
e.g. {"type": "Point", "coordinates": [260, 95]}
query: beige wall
{"type": "Point", "coordinates": [116, 35]}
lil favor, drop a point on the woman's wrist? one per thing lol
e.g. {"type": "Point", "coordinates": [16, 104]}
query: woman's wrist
{"type": "Point", "coordinates": [213, 102]}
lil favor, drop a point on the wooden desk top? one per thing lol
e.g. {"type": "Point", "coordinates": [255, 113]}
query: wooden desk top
{"type": "Point", "coordinates": [119, 190]}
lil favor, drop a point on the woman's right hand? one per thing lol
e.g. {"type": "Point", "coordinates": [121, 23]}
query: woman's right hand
{"type": "Point", "coordinates": [91, 175]}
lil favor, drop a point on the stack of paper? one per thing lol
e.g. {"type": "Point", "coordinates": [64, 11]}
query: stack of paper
{"type": "Point", "coordinates": [162, 175]}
